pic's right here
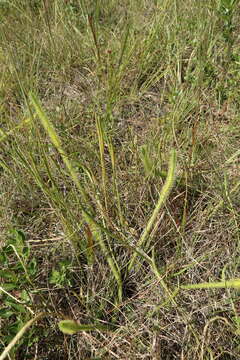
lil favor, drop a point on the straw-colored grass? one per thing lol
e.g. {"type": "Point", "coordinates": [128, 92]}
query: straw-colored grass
{"type": "Point", "coordinates": [119, 138]}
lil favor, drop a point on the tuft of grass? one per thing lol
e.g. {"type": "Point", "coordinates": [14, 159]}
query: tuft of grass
{"type": "Point", "coordinates": [103, 230]}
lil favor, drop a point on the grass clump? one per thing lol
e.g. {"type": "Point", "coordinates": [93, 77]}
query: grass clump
{"type": "Point", "coordinates": [106, 234]}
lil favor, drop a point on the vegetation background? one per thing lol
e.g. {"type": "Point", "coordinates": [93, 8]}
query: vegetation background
{"type": "Point", "coordinates": [97, 225]}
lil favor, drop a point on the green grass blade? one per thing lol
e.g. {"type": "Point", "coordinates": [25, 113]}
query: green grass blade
{"type": "Point", "coordinates": [50, 130]}
{"type": "Point", "coordinates": [234, 283]}
{"type": "Point", "coordinates": [161, 201]}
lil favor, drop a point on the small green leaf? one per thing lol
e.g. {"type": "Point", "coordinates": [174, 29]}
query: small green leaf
{"type": "Point", "coordinates": [19, 308]}
{"type": "Point", "coordinates": [5, 313]}
{"type": "Point", "coordinates": [17, 239]}
{"type": "Point", "coordinates": [9, 286]}
{"type": "Point", "coordinates": [8, 275]}
{"type": "Point", "coordinates": [25, 296]}
{"type": "Point", "coordinates": [55, 277]}
{"type": "Point", "coordinates": [71, 327]}
{"type": "Point", "coordinates": [32, 267]}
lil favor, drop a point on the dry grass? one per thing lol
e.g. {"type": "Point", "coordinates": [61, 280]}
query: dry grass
{"type": "Point", "coordinates": [155, 76]}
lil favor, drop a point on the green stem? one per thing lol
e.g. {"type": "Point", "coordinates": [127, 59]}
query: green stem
{"type": "Point", "coordinates": [161, 201]}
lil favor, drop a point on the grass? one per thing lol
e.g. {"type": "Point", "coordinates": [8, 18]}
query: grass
{"type": "Point", "coordinates": [119, 146]}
